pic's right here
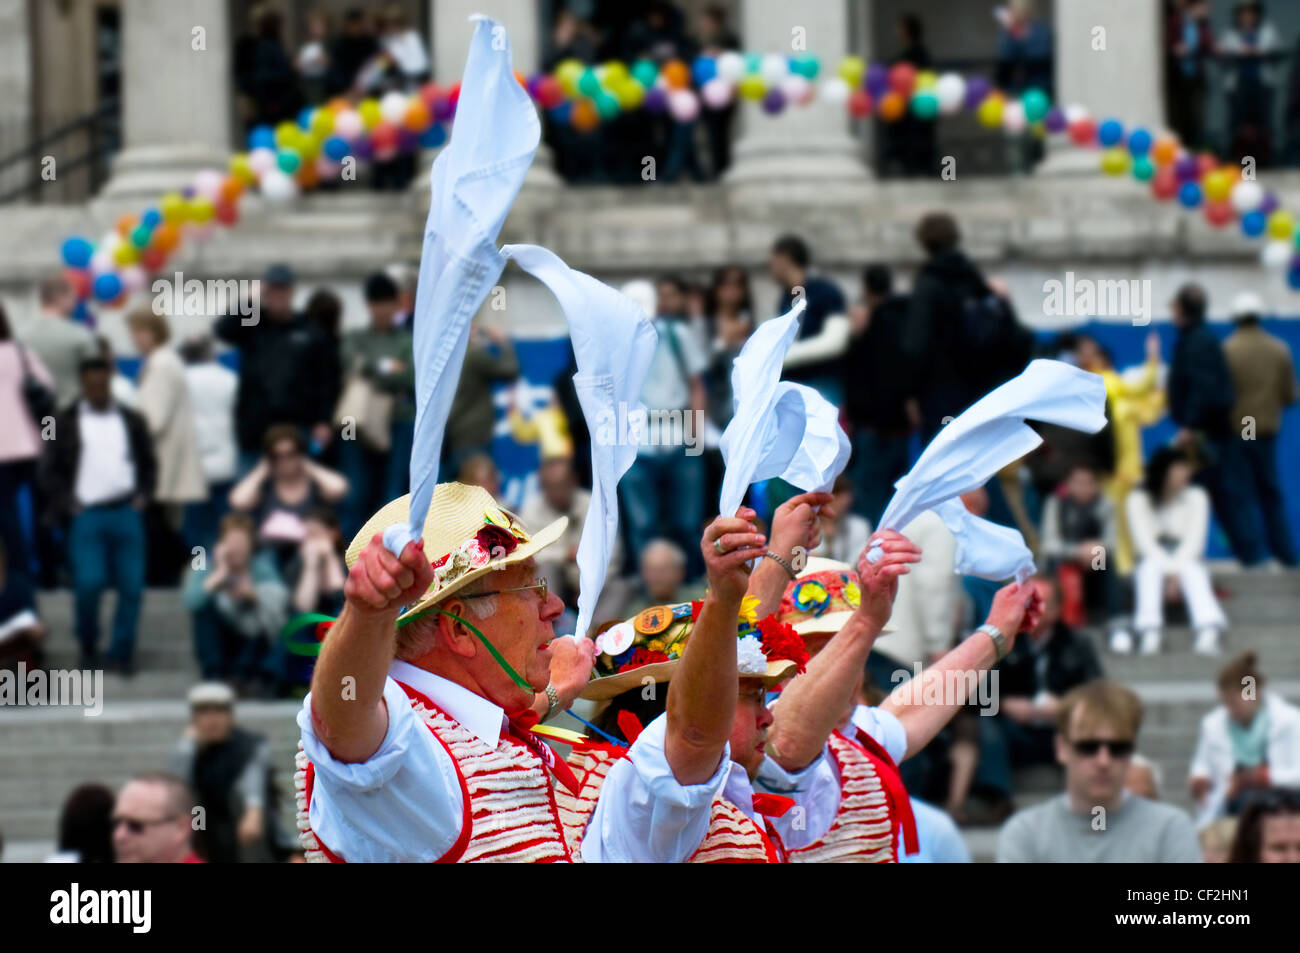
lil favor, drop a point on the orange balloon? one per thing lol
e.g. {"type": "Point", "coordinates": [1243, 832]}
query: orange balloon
{"type": "Point", "coordinates": [676, 74]}
{"type": "Point", "coordinates": [417, 116]}
{"type": "Point", "coordinates": [1165, 150]}
{"type": "Point", "coordinates": [166, 237]}
{"type": "Point", "coordinates": [338, 104]}
{"type": "Point", "coordinates": [584, 116]}
{"type": "Point", "coordinates": [231, 189]}
{"type": "Point", "coordinates": [125, 225]}
{"type": "Point", "coordinates": [307, 175]}
{"type": "Point", "coordinates": [891, 107]}
{"type": "Point", "coordinates": [521, 79]}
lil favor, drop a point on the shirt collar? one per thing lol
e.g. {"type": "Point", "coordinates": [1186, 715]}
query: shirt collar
{"type": "Point", "coordinates": [482, 718]}
{"type": "Point", "coordinates": [739, 791]}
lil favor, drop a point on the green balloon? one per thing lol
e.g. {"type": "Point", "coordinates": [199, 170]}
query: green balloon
{"type": "Point", "coordinates": [753, 62]}
{"type": "Point", "coordinates": [645, 72]}
{"type": "Point", "coordinates": [140, 235]}
{"type": "Point", "coordinates": [589, 85]}
{"type": "Point", "coordinates": [1036, 104]}
{"type": "Point", "coordinates": [288, 161]}
{"type": "Point", "coordinates": [805, 66]}
{"type": "Point", "coordinates": [606, 105]}
{"type": "Point", "coordinates": [1143, 168]}
{"type": "Point", "coordinates": [925, 105]}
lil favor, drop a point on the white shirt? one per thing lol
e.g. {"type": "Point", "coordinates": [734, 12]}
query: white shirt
{"type": "Point", "coordinates": [407, 50]}
{"type": "Point", "coordinates": [105, 470]}
{"type": "Point", "coordinates": [938, 837]}
{"type": "Point", "coordinates": [1214, 759]}
{"type": "Point", "coordinates": [212, 389]}
{"type": "Point", "coordinates": [1185, 518]}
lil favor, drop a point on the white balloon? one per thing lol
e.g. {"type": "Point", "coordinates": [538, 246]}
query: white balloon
{"type": "Point", "coordinates": [348, 124]}
{"type": "Point", "coordinates": [731, 66]}
{"type": "Point", "coordinates": [261, 161]}
{"type": "Point", "coordinates": [683, 105]}
{"type": "Point", "coordinates": [1247, 196]}
{"type": "Point", "coordinates": [950, 90]}
{"type": "Point", "coordinates": [277, 187]}
{"type": "Point", "coordinates": [208, 183]}
{"type": "Point", "coordinates": [1013, 116]}
{"type": "Point", "coordinates": [774, 68]}
{"type": "Point", "coordinates": [101, 262]}
{"type": "Point", "coordinates": [1275, 255]}
{"type": "Point", "coordinates": [717, 93]}
{"type": "Point", "coordinates": [1075, 113]}
{"type": "Point", "coordinates": [110, 242]}
{"type": "Point", "coordinates": [393, 106]}
{"type": "Point", "coordinates": [133, 278]}
{"type": "Point", "coordinates": [834, 91]}
{"type": "Point", "coordinates": [797, 89]}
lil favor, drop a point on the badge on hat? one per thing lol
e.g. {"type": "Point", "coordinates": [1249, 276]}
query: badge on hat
{"type": "Point", "coordinates": [616, 640]}
{"type": "Point", "coordinates": [654, 620]}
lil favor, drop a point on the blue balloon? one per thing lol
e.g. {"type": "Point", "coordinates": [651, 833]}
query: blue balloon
{"type": "Point", "coordinates": [77, 251]}
{"type": "Point", "coordinates": [335, 148]}
{"type": "Point", "coordinates": [304, 117]}
{"type": "Point", "coordinates": [1139, 142]}
{"type": "Point", "coordinates": [1190, 195]}
{"type": "Point", "coordinates": [151, 218]}
{"type": "Point", "coordinates": [704, 69]}
{"type": "Point", "coordinates": [261, 137]}
{"type": "Point", "coordinates": [107, 286]}
{"type": "Point", "coordinates": [1293, 278]}
{"type": "Point", "coordinates": [434, 136]}
{"type": "Point", "coordinates": [1253, 223]}
{"type": "Point", "coordinates": [562, 112]}
{"type": "Point", "coordinates": [1110, 132]}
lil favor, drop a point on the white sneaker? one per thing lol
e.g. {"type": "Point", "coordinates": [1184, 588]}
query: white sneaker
{"type": "Point", "coordinates": [1121, 642]}
{"type": "Point", "coordinates": [1207, 642]}
{"type": "Point", "coordinates": [1151, 642]}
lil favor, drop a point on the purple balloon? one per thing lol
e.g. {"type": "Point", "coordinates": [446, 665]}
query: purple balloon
{"type": "Point", "coordinates": [363, 149]}
{"type": "Point", "coordinates": [1185, 169]}
{"type": "Point", "coordinates": [188, 192]}
{"type": "Point", "coordinates": [407, 140]}
{"type": "Point", "coordinates": [977, 88]}
{"type": "Point", "coordinates": [656, 100]}
{"type": "Point", "coordinates": [1270, 202]}
{"type": "Point", "coordinates": [877, 80]}
{"type": "Point", "coordinates": [1054, 121]}
{"type": "Point", "coordinates": [532, 83]}
{"type": "Point", "coordinates": [773, 102]}
{"type": "Point", "coordinates": [443, 109]}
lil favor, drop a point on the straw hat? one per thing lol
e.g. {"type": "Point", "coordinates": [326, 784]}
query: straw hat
{"type": "Point", "coordinates": [467, 534]}
{"type": "Point", "coordinates": [651, 643]}
{"type": "Point", "coordinates": [823, 598]}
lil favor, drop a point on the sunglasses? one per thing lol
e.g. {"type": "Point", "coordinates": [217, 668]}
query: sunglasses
{"type": "Point", "coordinates": [1089, 747]}
{"type": "Point", "coordinates": [137, 826]}
{"type": "Point", "coordinates": [540, 586]}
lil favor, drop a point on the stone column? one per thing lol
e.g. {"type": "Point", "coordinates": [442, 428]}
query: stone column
{"type": "Point", "coordinates": [807, 147]}
{"type": "Point", "coordinates": [177, 91]}
{"type": "Point", "coordinates": [1110, 59]}
{"type": "Point", "coordinates": [15, 81]}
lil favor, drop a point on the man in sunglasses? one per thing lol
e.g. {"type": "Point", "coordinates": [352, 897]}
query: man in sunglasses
{"type": "Point", "coordinates": [152, 821]}
{"type": "Point", "coordinates": [1095, 821]}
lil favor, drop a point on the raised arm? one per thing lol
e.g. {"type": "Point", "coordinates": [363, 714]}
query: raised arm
{"type": "Point", "coordinates": [1015, 608]}
{"type": "Point", "coordinates": [796, 532]}
{"type": "Point", "coordinates": [814, 703]}
{"type": "Point", "coordinates": [702, 703]}
{"type": "Point", "coordinates": [246, 494]}
{"type": "Point", "coordinates": [333, 486]}
{"type": "Point", "coordinates": [347, 685]}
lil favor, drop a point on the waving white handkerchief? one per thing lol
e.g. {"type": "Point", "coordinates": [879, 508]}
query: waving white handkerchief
{"type": "Point", "coordinates": [474, 183]}
{"type": "Point", "coordinates": [990, 434]}
{"type": "Point", "coordinates": [613, 342]}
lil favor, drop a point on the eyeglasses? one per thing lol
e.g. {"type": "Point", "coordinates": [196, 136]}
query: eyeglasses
{"type": "Point", "coordinates": [136, 826]}
{"type": "Point", "coordinates": [539, 585]}
{"type": "Point", "coordinates": [1089, 747]}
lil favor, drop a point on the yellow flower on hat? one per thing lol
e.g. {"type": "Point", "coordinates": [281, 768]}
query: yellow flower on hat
{"type": "Point", "coordinates": [749, 609]}
{"type": "Point", "coordinates": [656, 645]}
{"type": "Point", "coordinates": [852, 594]}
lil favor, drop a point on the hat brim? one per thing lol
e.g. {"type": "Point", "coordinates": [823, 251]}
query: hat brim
{"type": "Point", "coordinates": [398, 512]}
{"type": "Point", "coordinates": [611, 686]}
{"type": "Point", "coordinates": [829, 623]}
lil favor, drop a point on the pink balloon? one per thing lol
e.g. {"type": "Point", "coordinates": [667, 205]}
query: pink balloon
{"type": "Point", "coordinates": [261, 161]}
{"type": "Point", "coordinates": [683, 105]}
{"type": "Point", "coordinates": [133, 278]}
{"type": "Point", "coordinates": [348, 124]}
{"type": "Point", "coordinates": [208, 183]}
{"type": "Point", "coordinates": [717, 93]}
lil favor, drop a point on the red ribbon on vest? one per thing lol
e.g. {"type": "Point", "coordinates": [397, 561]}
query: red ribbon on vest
{"type": "Point", "coordinates": [521, 723]}
{"type": "Point", "coordinates": [772, 805]}
{"type": "Point", "coordinates": [900, 804]}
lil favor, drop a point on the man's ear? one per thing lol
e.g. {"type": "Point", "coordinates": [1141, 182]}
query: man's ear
{"type": "Point", "coordinates": [456, 635]}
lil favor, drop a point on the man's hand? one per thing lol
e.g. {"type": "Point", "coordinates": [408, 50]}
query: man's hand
{"type": "Point", "coordinates": [322, 433]}
{"type": "Point", "coordinates": [796, 526]}
{"type": "Point", "coordinates": [380, 583]}
{"type": "Point", "coordinates": [250, 827]}
{"type": "Point", "coordinates": [880, 579]}
{"type": "Point", "coordinates": [572, 659]}
{"type": "Point", "coordinates": [1020, 710]}
{"type": "Point", "coordinates": [1199, 787]}
{"type": "Point", "coordinates": [1015, 609]}
{"type": "Point", "coordinates": [740, 541]}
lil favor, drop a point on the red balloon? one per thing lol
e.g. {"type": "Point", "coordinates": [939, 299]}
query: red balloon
{"type": "Point", "coordinates": [1219, 213]}
{"type": "Point", "coordinates": [859, 103]}
{"type": "Point", "coordinates": [902, 77]}
{"type": "Point", "coordinates": [453, 95]}
{"type": "Point", "coordinates": [1164, 184]}
{"type": "Point", "coordinates": [1083, 131]}
{"type": "Point", "coordinates": [384, 137]}
{"type": "Point", "coordinates": [227, 213]}
{"type": "Point", "coordinates": [1205, 162]}
{"type": "Point", "coordinates": [153, 258]}
{"type": "Point", "coordinates": [430, 92]}
{"type": "Point", "coordinates": [549, 92]}
{"type": "Point", "coordinates": [79, 278]}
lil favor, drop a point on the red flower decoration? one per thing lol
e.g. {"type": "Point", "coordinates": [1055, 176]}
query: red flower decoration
{"type": "Point", "coordinates": [696, 606]}
{"type": "Point", "coordinates": [642, 656]}
{"type": "Point", "coordinates": [780, 642]}
{"type": "Point", "coordinates": [496, 541]}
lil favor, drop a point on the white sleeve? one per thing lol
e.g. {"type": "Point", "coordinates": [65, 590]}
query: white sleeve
{"type": "Point", "coordinates": [644, 815]}
{"type": "Point", "coordinates": [816, 793]}
{"type": "Point", "coordinates": [885, 728]}
{"type": "Point", "coordinates": [1196, 528]}
{"type": "Point", "coordinates": [828, 343]}
{"type": "Point", "coordinates": [402, 804]}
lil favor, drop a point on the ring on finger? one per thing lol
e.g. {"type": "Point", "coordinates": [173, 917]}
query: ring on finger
{"type": "Point", "coordinates": [717, 544]}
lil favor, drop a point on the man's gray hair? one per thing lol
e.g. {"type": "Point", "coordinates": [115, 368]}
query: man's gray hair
{"type": "Point", "coordinates": [416, 639]}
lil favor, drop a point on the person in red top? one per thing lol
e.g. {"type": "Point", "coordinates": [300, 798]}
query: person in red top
{"type": "Point", "coordinates": [152, 821]}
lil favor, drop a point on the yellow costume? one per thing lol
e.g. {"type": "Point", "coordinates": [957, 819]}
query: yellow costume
{"type": "Point", "coordinates": [1134, 404]}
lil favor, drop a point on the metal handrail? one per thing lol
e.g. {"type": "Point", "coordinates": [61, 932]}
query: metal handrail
{"type": "Point", "coordinates": [99, 127]}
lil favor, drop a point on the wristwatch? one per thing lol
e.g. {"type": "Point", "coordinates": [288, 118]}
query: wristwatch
{"type": "Point", "coordinates": [999, 640]}
{"type": "Point", "coordinates": [554, 696]}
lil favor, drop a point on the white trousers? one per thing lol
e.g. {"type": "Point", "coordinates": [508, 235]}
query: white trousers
{"type": "Point", "coordinates": [1193, 578]}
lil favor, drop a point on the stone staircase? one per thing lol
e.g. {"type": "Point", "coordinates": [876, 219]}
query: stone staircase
{"type": "Point", "coordinates": [45, 752]}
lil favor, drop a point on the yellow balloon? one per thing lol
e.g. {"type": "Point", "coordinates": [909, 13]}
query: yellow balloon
{"type": "Point", "coordinates": [172, 206]}
{"type": "Point", "coordinates": [851, 70]}
{"type": "Point", "coordinates": [1281, 225]}
{"type": "Point", "coordinates": [568, 73]}
{"type": "Point", "coordinates": [926, 79]}
{"type": "Point", "coordinates": [1216, 185]}
{"type": "Point", "coordinates": [369, 112]}
{"type": "Point", "coordinates": [990, 112]}
{"type": "Point", "coordinates": [285, 134]}
{"type": "Point", "coordinates": [322, 122]}
{"type": "Point", "coordinates": [629, 93]}
{"type": "Point", "coordinates": [1114, 161]}
{"type": "Point", "coordinates": [201, 209]}
{"type": "Point", "coordinates": [752, 87]}
{"type": "Point", "coordinates": [126, 254]}
{"type": "Point", "coordinates": [615, 72]}
{"type": "Point", "coordinates": [241, 170]}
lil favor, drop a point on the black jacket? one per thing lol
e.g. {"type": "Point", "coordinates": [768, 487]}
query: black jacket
{"type": "Point", "coordinates": [284, 375]}
{"type": "Point", "coordinates": [58, 465]}
{"type": "Point", "coordinates": [1200, 384]}
{"type": "Point", "coordinates": [1070, 659]}
{"type": "Point", "coordinates": [878, 377]}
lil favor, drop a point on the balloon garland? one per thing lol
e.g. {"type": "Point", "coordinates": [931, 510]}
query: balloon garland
{"type": "Point", "coordinates": [299, 156]}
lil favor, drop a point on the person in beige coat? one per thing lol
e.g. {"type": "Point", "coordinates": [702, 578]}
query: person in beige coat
{"type": "Point", "coordinates": [163, 399]}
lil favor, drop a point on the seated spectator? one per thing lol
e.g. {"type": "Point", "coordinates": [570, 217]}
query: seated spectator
{"type": "Point", "coordinates": [1249, 742]}
{"type": "Point", "coordinates": [85, 827]}
{"type": "Point", "coordinates": [816, 357]}
{"type": "Point", "coordinates": [239, 604]}
{"type": "Point", "coordinates": [1045, 664]}
{"type": "Point", "coordinates": [479, 469]}
{"type": "Point", "coordinates": [152, 821]}
{"type": "Point", "coordinates": [100, 475]}
{"type": "Point", "coordinates": [230, 772]}
{"type": "Point", "coordinates": [1169, 518]}
{"type": "Point", "coordinates": [662, 579]}
{"type": "Point", "coordinates": [1269, 829]}
{"type": "Point", "coordinates": [212, 387]}
{"type": "Point", "coordinates": [284, 486]}
{"type": "Point", "coordinates": [1094, 821]}
{"type": "Point", "coordinates": [1217, 839]}
{"type": "Point", "coordinates": [1080, 542]}
{"type": "Point", "coordinates": [844, 532]}
{"type": "Point", "coordinates": [1143, 778]}
{"type": "Point", "coordinates": [316, 573]}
